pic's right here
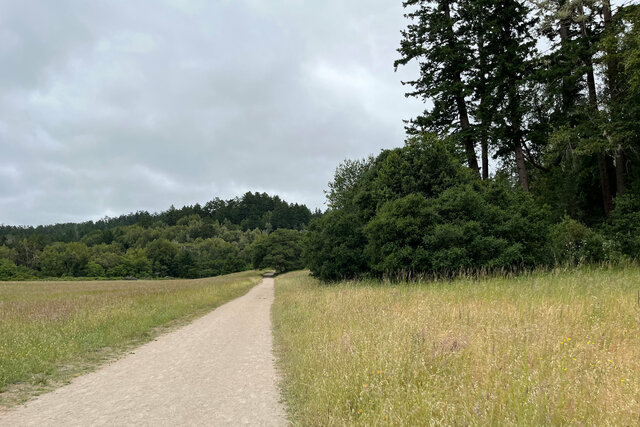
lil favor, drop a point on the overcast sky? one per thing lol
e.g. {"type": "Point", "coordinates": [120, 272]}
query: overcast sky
{"type": "Point", "coordinates": [108, 107]}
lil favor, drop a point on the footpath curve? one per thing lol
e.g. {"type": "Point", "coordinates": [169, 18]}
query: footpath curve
{"type": "Point", "coordinates": [218, 370]}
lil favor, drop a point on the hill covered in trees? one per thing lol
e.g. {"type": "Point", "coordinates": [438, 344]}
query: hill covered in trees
{"type": "Point", "coordinates": [562, 124]}
{"type": "Point", "coordinates": [223, 236]}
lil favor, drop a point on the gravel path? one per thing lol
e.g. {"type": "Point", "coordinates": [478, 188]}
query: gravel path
{"type": "Point", "coordinates": [219, 370]}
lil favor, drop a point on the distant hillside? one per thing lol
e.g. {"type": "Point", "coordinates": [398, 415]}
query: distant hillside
{"type": "Point", "coordinates": [251, 211]}
{"type": "Point", "coordinates": [223, 236]}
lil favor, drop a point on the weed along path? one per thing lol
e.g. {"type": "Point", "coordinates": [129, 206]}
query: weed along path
{"type": "Point", "coordinates": [219, 370]}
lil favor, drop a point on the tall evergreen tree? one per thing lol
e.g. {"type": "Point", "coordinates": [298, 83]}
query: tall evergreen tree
{"type": "Point", "coordinates": [511, 46]}
{"type": "Point", "coordinates": [437, 40]}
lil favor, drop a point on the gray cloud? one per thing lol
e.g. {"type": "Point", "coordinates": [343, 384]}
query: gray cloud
{"type": "Point", "coordinates": [110, 107]}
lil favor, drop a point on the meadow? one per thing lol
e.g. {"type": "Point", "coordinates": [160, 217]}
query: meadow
{"type": "Point", "coordinates": [545, 348]}
{"type": "Point", "coordinates": [52, 331]}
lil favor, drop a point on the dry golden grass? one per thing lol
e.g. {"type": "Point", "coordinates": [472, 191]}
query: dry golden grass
{"type": "Point", "coordinates": [51, 331]}
{"type": "Point", "coordinates": [541, 349]}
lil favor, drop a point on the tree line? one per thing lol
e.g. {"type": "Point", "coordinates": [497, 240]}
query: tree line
{"type": "Point", "coordinates": [252, 231]}
{"type": "Point", "coordinates": [560, 119]}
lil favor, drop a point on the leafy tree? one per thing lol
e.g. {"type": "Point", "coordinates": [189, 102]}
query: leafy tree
{"type": "Point", "coordinates": [95, 270]}
{"type": "Point", "coordinates": [136, 263]}
{"type": "Point", "coordinates": [60, 259]}
{"type": "Point", "coordinates": [27, 252]}
{"type": "Point", "coordinates": [281, 250]}
{"type": "Point", "coordinates": [162, 253]}
{"type": "Point", "coordinates": [334, 246]}
{"type": "Point", "coordinates": [6, 253]}
{"type": "Point", "coordinates": [10, 271]}
{"type": "Point", "coordinates": [417, 210]}
{"type": "Point", "coordinates": [185, 265]}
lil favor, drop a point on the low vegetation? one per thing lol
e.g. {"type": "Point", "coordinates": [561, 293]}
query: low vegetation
{"type": "Point", "coordinates": [50, 331]}
{"type": "Point", "coordinates": [537, 349]}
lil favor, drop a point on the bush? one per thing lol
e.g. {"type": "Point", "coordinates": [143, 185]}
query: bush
{"type": "Point", "coordinates": [575, 243]}
{"type": "Point", "coordinates": [461, 229]}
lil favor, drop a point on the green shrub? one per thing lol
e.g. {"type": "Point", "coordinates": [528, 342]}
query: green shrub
{"type": "Point", "coordinates": [462, 229]}
{"type": "Point", "coordinates": [575, 243]}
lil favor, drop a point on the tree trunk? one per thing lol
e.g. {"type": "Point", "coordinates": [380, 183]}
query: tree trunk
{"type": "Point", "coordinates": [588, 61]}
{"type": "Point", "coordinates": [485, 118]}
{"type": "Point", "coordinates": [604, 179]}
{"type": "Point", "coordinates": [522, 168]}
{"type": "Point", "coordinates": [516, 130]}
{"type": "Point", "coordinates": [568, 88]}
{"type": "Point", "coordinates": [485, 156]}
{"type": "Point", "coordinates": [467, 137]}
{"type": "Point", "coordinates": [620, 169]}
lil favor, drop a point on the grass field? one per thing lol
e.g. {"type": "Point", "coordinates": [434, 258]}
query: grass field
{"type": "Point", "coordinates": [51, 331]}
{"type": "Point", "coordinates": [545, 348]}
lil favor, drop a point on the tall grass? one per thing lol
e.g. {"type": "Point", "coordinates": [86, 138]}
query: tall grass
{"type": "Point", "coordinates": [49, 331]}
{"type": "Point", "coordinates": [560, 347]}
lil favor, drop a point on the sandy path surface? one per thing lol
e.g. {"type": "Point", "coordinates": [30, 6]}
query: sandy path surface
{"type": "Point", "coordinates": [219, 370]}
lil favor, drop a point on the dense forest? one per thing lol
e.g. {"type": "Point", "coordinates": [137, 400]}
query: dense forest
{"type": "Point", "coordinates": [255, 230]}
{"type": "Point", "coordinates": [549, 94]}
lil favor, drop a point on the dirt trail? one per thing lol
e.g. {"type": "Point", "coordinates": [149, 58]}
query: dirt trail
{"type": "Point", "coordinates": [218, 370]}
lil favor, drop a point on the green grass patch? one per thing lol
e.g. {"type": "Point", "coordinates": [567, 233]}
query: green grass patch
{"type": "Point", "coordinates": [52, 331]}
{"type": "Point", "coordinates": [560, 347]}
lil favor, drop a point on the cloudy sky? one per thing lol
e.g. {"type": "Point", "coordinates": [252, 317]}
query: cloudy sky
{"type": "Point", "coordinates": [108, 107]}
